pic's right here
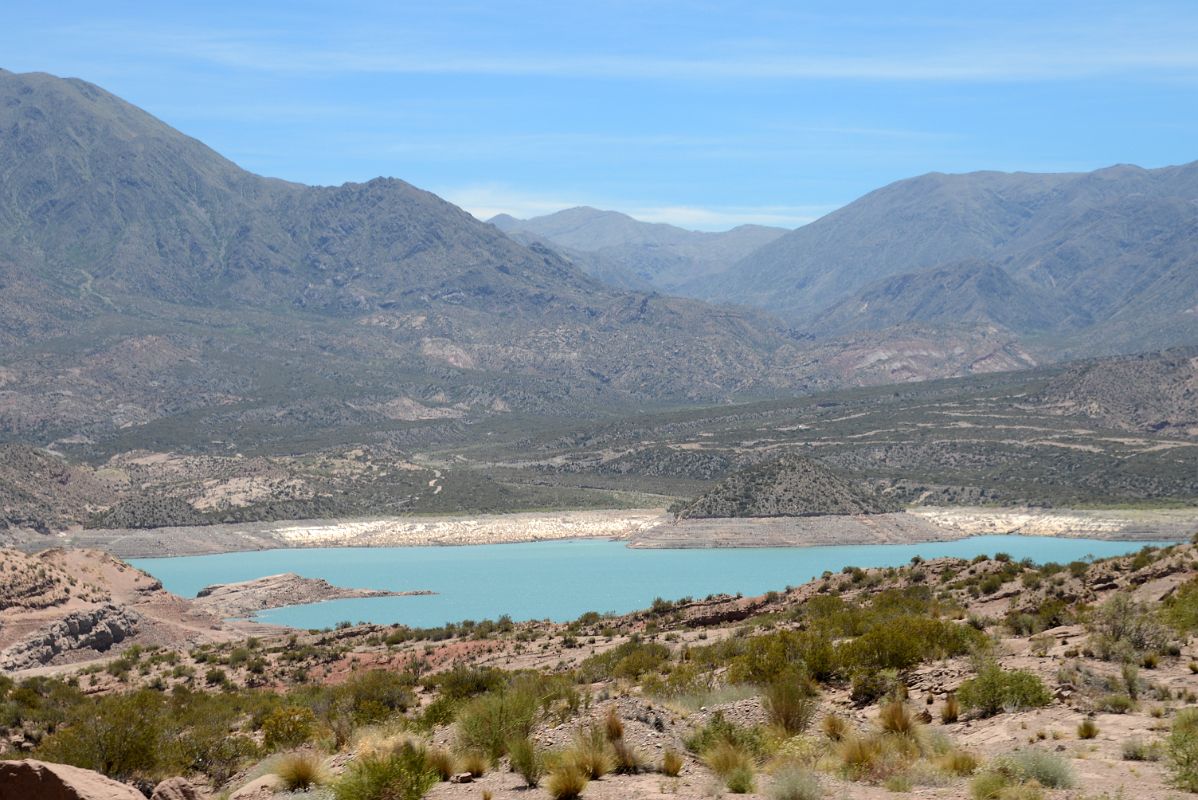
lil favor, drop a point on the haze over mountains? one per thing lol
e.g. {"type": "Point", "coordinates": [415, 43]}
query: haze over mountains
{"type": "Point", "coordinates": [156, 294]}
{"type": "Point", "coordinates": [1106, 260]}
{"type": "Point", "coordinates": [153, 293]}
{"type": "Point", "coordinates": [628, 253]}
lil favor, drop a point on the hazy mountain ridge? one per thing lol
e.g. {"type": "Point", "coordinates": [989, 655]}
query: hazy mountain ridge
{"type": "Point", "coordinates": [1109, 255]}
{"type": "Point", "coordinates": [157, 295]}
{"type": "Point", "coordinates": [630, 253]}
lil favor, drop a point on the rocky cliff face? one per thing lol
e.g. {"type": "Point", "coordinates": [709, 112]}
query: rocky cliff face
{"type": "Point", "coordinates": [96, 629]}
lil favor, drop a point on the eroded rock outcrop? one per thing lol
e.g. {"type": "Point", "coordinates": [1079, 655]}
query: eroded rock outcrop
{"type": "Point", "coordinates": [274, 591]}
{"type": "Point", "coordinates": [39, 780]}
{"type": "Point", "coordinates": [176, 789]}
{"type": "Point", "coordinates": [95, 629]}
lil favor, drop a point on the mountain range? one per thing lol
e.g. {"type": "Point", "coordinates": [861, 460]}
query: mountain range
{"type": "Point", "coordinates": [154, 294]}
{"type": "Point", "coordinates": [1104, 261]}
{"type": "Point", "coordinates": [628, 253]}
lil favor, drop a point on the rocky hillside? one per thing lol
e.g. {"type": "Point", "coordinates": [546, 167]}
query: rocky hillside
{"type": "Point", "coordinates": [626, 252]}
{"type": "Point", "coordinates": [1155, 392]}
{"type": "Point", "coordinates": [1106, 256]}
{"type": "Point", "coordinates": [155, 295]}
{"type": "Point", "coordinates": [791, 486]}
{"type": "Point", "coordinates": [41, 491]}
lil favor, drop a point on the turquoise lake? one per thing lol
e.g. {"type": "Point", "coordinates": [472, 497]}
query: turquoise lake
{"type": "Point", "coordinates": [561, 580]}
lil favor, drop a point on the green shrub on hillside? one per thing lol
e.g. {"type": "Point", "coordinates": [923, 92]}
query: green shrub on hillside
{"type": "Point", "coordinates": [1124, 629]}
{"type": "Point", "coordinates": [399, 775]}
{"type": "Point", "coordinates": [490, 721]}
{"type": "Point", "coordinates": [1181, 750]}
{"type": "Point", "coordinates": [995, 690]}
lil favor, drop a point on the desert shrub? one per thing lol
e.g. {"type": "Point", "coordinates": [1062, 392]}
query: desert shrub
{"type": "Point", "coordinates": [957, 762]}
{"type": "Point", "coordinates": [1136, 749]}
{"type": "Point", "coordinates": [860, 754]}
{"type": "Point", "coordinates": [299, 772]}
{"type": "Point", "coordinates": [1049, 770]}
{"type": "Point", "coordinates": [740, 780]}
{"type": "Point", "coordinates": [1122, 628]}
{"type": "Point", "coordinates": [671, 764]}
{"type": "Point", "coordinates": [613, 728]}
{"type": "Point", "coordinates": [790, 702]}
{"type": "Point", "coordinates": [475, 762]}
{"type": "Point", "coordinates": [834, 727]}
{"type": "Point", "coordinates": [288, 726]}
{"type": "Point", "coordinates": [994, 690]}
{"type": "Point", "coordinates": [1181, 608]}
{"type": "Point", "coordinates": [401, 774]}
{"type": "Point", "coordinates": [725, 757]}
{"type": "Point", "coordinates": [988, 785]}
{"type": "Point", "coordinates": [490, 721]}
{"type": "Point", "coordinates": [374, 695]}
{"type": "Point", "coordinates": [566, 781]}
{"type": "Point", "coordinates": [592, 753]}
{"type": "Point", "coordinates": [441, 762]}
{"type": "Point", "coordinates": [119, 736]}
{"type": "Point", "coordinates": [463, 682]}
{"type": "Point", "coordinates": [1115, 703]}
{"type": "Point", "coordinates": [896, 718]}
{"type": "Point", "coordinates": [719, 730]}
{"type": "Point", "coordinates": [527, 761]}
{"type": "Point", "coordinates": [904, 641]}
{"type": "Point", "coordinates": [866, 686]}
{"type": "Point", "coordinates": [795, 783]}
{"type": "Point", "coordinates": [630, 660]}
{"type": "Point", "coordinates": [950, 712]}
{"type": "Point", "coordinates": [1087, 729]}
{"type": "Point", "coordinates": [628, 760]}
{"type": "Point", "coordinates": [1181, 750]}
{"type": "Point", "coordinates": [765, 657]}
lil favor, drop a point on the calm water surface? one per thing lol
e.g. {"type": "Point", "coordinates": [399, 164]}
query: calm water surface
{"type": "Point", "coordinates": [561, 580]}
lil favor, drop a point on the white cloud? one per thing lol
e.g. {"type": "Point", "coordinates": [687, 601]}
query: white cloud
{"type": "Point", "coordinates": [485, 201]}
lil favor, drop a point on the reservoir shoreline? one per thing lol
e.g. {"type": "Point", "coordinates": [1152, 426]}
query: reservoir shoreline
{"type": "Point", "coordinates": [639, 528]}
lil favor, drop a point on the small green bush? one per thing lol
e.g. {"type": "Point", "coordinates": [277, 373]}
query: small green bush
{"type": "Point", "coordinates": [566, 780]}
{"type": "Point", "coordinates": [671, 764]}
{"type": "Point", "coordinates": [299, 772]}
{"type": "Point", "coordinates": [795, 783]}
{"type": "Point", "coordinates": [592, 753]}
{"type": "Point", "coordinates": [1047, 769]}
{"type": "Point", "coordinates": [1136, 749]}
{"type": "Point", "coordinates": [287, 727]}
{"type": "Point", "coordinates": [1181, 750]}
{"type": "Point", "coordinates": [790, 702]}
{"type": "Point", "coordinates": [527, 761]}
{"type": "Point", "coordinates": [399, 775]}
{"type": "Point", "coordinates": [995, 690]}
{"type": "Point", "coordinates": [1087, 729]}
{"type": "Point", "coordinates": [988, 785]}
{"type": "Point", "coordinates": [740, 780]}
{"type": "Point", "coordinates": [1115, 704]}
{"type": "Point", "coordinates": [490, 721]}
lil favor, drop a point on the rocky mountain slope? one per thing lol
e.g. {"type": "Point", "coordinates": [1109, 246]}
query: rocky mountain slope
{"type": "Point", "coordinates": [791, 486]}
{"type": "Point", "coordinates": [1155, 392]}
{"type": "Point", "coordinates": [153, 294]}
{"type": "Point", "coordinates": [1107, 256]}
{"type": "Point", "coordinates": [626, 252]}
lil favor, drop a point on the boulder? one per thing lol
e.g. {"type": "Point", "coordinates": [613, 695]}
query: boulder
{"type": "Point", "coordinates": [38, 780]}
{"type": "Point", "coordinates": [176, 789]}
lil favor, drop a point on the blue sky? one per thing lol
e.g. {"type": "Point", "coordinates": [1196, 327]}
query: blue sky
{"type": "Point", "coordinates": [704, 114]}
